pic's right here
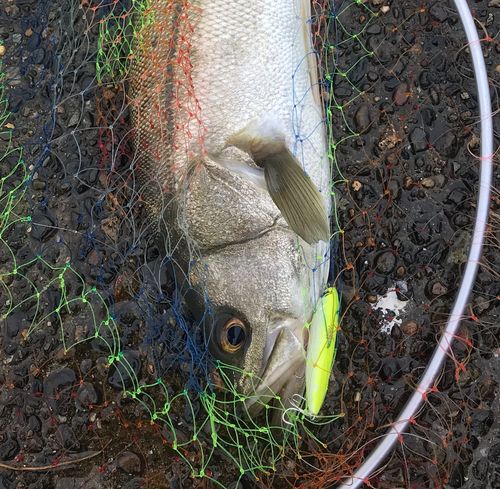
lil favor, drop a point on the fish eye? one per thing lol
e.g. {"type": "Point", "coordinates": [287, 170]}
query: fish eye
{"type": "Point", "coordinates": [233, 335]}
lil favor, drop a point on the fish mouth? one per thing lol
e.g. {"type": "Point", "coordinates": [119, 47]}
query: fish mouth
{"type": "Point", "coordinates": [283, 368]}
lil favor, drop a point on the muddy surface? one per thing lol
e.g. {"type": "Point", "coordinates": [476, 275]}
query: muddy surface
{"type": "Point", "coordinates": [85, 320]}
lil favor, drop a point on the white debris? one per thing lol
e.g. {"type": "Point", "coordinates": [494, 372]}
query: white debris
{"type": "Point", "coordinates": [391, 306]}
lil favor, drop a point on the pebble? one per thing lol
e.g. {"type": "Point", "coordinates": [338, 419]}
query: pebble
{"type": "Point", "coordinates": [85, 366]}
{"type": "Point", "coordinates": [400, 95]}
{"type": "Point", "coordinates": [356, 186]}
{"type": "Point", "coordinates": [418, 140]}
{"type": "Point", "coordinates": [385, 9]}
{"type": "Point", "coordinates": [439, 180]}
{"type": "Point", "coordinates": [123, 373]}
{"type": "Point", "coordinates": [2, 49]}
{"type": "Point", "coordinates": [85, 396]}
{"type": "Point", "coordinates": [135, 483]}
{"type": "Point", "coordinates": [438, 12]}
{"type": "Point", "coordinates": [75, 117]}
{"type": "Point", "coordinates": [409, 327]}
{"type": "Point", "coordinates": [474, 142]}
{"type": "Point", "coordinates": [129, 462]}
{"type": "Point", "coordinates": [447, 145]}
{"type": "Point", "coordinates": [59, 384]}
{"type": "Point", "coordinates": [362, 119]}
{"type": "Point", "coordinates": [439, 289]}
{"type": "Point", "coordinates": [427, 183]}
{"type": "Point", "coordinates": [408, 183]}
{"type": "Point", "coordinates": [434, 96]}
{"type": "Point", "coordinates": [386, 263]}
{"type": "Point", "coordinates": [9, 449]}
{"type": "Point", "coordinates": [67, 438]}
{"type": "Point", "coordinates": [480, 304]}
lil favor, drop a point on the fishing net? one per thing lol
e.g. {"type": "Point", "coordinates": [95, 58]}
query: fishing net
{"type": "Point", "coordinates": [107, 381]}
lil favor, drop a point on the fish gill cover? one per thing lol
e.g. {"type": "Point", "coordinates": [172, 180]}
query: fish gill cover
{"type": "Point", "coordinates": [106, 379]}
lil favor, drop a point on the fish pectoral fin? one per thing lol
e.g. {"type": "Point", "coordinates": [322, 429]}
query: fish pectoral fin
{"type": "Point", "coordinates": [294, 193]}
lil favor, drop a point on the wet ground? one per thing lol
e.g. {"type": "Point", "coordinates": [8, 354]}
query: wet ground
{"type": "Point", "coordinates": [405, 142]}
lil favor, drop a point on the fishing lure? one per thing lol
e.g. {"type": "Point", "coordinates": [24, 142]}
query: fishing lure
{"type": "Point", "coordinates": [321, 350]}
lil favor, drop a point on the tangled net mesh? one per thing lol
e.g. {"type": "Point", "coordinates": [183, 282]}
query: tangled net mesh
{"type": "Point", "coordinates": [101, 363]}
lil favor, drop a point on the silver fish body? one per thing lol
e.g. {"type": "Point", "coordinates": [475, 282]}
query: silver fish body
{"type": "Point", "coordinates": [250, 76]}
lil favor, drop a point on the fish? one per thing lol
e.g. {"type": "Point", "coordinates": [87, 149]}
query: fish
{"type": "Point", "coordinates": [231, 158]}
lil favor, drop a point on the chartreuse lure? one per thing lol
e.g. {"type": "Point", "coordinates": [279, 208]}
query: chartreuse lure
{"type": "Point", "coordinates": [321, 349]}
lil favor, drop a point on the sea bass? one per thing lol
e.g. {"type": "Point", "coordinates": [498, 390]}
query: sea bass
{"type": "Point", "coordinates": [232, 161]}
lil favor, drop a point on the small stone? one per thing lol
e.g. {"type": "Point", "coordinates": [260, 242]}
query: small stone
{"type": "Point", "coordinates": [385, 9]}
{"type": "Point", "coordinates": [67, 438]}
{"type": "Point", "coordinates": [388, 139]}
{"type": "Point", "coordinates": [376, 99]}
{"type": "Point", "coordinates": [439, 180]}
{"type": "Point", "coordinates": [391, 159]}
{"type": "Point", "coordinates": [362, 119]}
{"type": "Point", "coordinates": [73, 121]}
{"type": "Point", "coordinates": [409, 183]}
{"type": "Point", "coordinates": [6, 277]}
{"type": "Point", "coordinates": [427, 183]}
{"type": "Point", "coordinates": [377, 2]}
{"type": "Point", "coordinates": [86, 396]}
{"type": "Point", "coordinates": [474, 142]}
{"type": "Point", "coordinates": [12, 11]}
{"type": "Point", "coordinates": [439, 12]}
{"type": "Point", "coordinates": [29, 32]}
{"type": "Point", "coordinates": [16, 38]}
{"type": "Point", "coordinates": [409, 327]}
{"type": "Point", "coordinates": [400, 271]}
{"type": "Point", "coordinates": [494, 3]}
{"type": "Point", "coordinates": [2, 49]}
{"type": "Point", "coordinates": [480, 305]}
{"type": "Point", "coordinates": [400, 95]}
{"type": "Point", "coordinates": [439, 289]}
{"type": "Point", "coordinates": [464, 96]}
{"type": "Point", "coordinates": [81, 332]}
{"type": "Point", "coordinates": [362, 18]}
{"type": "Point", "coordinates": [385, 263]}
{"type": "Point", "coordinates": [434, 96]}
{"type": "Point", "coordinates": [85, 366]}
{"type": "Point", "coordinates": [447, 145]}
{"type": "Point", "coordinates": [129, 462]}
{"type": "Point", "coordinates": [356, 186]}
{"type": "Point", "coordinates": [371, 299]}
{"type": "Point", "coordinates": [418, 140]}
{"type": "Point", "coordinates": [110, 226]}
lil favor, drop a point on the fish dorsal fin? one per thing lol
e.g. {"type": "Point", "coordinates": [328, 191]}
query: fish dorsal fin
{"type": "Point", "coordinates": [293, 192]}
